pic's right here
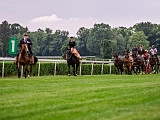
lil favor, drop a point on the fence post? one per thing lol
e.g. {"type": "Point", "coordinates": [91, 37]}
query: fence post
{"type": "Point", "coordinates": [92, 69]}
{"type": "Point", "coordinates": [39, 66]}
{"type": "Point", "coordinates": [80, 69]}
{"type": "Point", "coordinates": [55, 68]}
{"type": "Point", "coordinates": [22, 71]}
{"type": "Point", "coordinates": [3, 70]}
{"type": "Point", "coordinates": [110, 71]}
{"type": "Point", "coordinates": [102, 68]}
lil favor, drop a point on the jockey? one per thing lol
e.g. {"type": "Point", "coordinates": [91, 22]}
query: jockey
{"type": "Point", "coordinates": [146, 54]}
{"type": "Point", "coordinates": [141, 51]}
{"type": "Point", "coordinates": [153, 51]}
{"type": "Point", "coordinates": [134, 50]}
{"type": "Point", "coordinates": [72, 47]}
{"type": "Point", "coordinates": [29, 43]}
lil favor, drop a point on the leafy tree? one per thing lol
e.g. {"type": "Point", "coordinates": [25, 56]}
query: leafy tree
{"type": "Point", "coordinates": [48, 30]}
{"type": "Point", "coordinates": [99, 34]}
{"type": "Point", "coordinates": [125, 33]}
{"type": "Point", "coordinates": [119, 42]}
{"type": "Point", "coordinates": [138, 38]}
{"type": "Point", "coordinates": [149, 30]}
{"type": "Point", "coordinates": [5, 33]}
{"type": "Point", "coordinates": [83, 34]}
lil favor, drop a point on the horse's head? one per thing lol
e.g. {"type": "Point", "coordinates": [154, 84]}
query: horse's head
{"type": "Point", "coordinates": [115, 55]}
{"type": "Point", "coordinates": [126, 55]}
{"type": "Point", "coordinates": [153, 59]}
{"type": "Point", "coordinates": [69, 53]}
{"type": "Point", "coordinates": [24, 49]}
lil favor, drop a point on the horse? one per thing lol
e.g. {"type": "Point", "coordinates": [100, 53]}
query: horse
{"type": "Point", "coordinates": [118, 64]}
{"type": "Point", "coordinates": [24, 59]}
{"type": "Point", "coordinates": [154, 62]}
{"type": "Point", "coordinates": [128, 63]}
{"type": "Point", "coordinates": [73, 61]}
{"type": "Point", "coordinates": [138, 63]}
{"type": "Point", "coordinates": [147, 65]}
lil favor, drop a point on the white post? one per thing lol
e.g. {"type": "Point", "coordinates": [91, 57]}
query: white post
{"type": "Point", "coordinates": [102, 68]}
{"type": "Point", "coordinates": [80, 69]}
{"type": "Point", "coordinates": [39, 66]}
{"type": "Point", "coordinates": [55, 68]}
{"type": "Point", "coordinates": [3, 70]}
{"type": "Point", "coordinates": [110, 66]}
{"type": "Point", "coordinates": [22, 71]}
{"type": "Point", "coordinates": [92, 69]}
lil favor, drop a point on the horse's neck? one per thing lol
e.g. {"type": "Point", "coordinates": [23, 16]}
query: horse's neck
{"type": "Point", "coordinates": [23, 53]}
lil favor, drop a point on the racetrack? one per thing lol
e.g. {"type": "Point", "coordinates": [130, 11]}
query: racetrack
{"type": "Point", "coordinates": [102, 97]}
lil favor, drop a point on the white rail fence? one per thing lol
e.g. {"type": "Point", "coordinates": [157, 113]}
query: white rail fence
{"type": "Point", "coordinates": [110, 62]}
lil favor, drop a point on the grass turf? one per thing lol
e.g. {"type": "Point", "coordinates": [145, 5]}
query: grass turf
{"type": "Point", "coordinates": [113, 97]}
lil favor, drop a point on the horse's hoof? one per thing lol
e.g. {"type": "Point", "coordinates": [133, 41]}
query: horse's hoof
{"type": "Point", "coordinates": [69, 75]}
{"type": "Point", "coordinates": [75, 74]}
{"type": "Point", "coordinates": [28, 76]}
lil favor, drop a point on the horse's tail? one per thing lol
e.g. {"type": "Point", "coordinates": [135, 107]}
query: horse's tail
{"type": "Point", "coordinates": [35, 60]}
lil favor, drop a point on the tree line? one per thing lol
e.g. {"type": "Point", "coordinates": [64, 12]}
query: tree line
{"type": "Point", "coordinates": [101, 40]}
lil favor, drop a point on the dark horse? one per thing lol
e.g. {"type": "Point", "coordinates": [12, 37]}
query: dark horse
{"type": "Point", "coordinates": [74, 61]}
{"type": "Point", "coordinates": [127, 63]}
{"type": "Point", "coordinates": [118, 64]}
{"type": "Point", "coordinates": [24, 59]}
{"type": "Point", "coordinates": [154, 63]}
{"type": "Point", "coordinates": [138, 63]}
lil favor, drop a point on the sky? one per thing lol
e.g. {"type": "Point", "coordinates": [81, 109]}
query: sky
{"type": "Point", "coordinates": [70, 15]}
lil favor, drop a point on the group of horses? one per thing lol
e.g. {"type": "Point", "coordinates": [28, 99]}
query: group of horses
{"type": "Point", "coordinates": [136, 63]}
{"type": "Point", "coordinates": [127, 64]}
{"type": "Point", "coordinates": [27, 61]}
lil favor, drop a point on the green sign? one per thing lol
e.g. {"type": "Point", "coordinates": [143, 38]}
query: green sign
{"type": "Point", "coordinates": [13, 46]}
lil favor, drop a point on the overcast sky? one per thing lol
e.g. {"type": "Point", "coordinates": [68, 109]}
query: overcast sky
{"type": "Point", "coordinates": [70, 15]}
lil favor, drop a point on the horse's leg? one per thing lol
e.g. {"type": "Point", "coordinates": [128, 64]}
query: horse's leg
{"type": "Point", "coordinates": [115, 69]}
{"type": "Point", "coordinates": [130, 70]}
{"type": "Point", "coordinates": [153, 69]}
{"type": "Point", "coordinates": [118, 69]}
{"type": "Point", "coordinates": [74, 69]}
{"type": "Point", "coordinates": [77, 66]}
{"type": "Point", "coordinates": [69, 70]}
{"type": "Point", "coordinates": [19, 73]}
{"type": "Point", "coordinates": [122, 69]}
{"type": "Point", "coordinates": [29, 71]}
{"type": "Point", "coordinates": [26, 71]}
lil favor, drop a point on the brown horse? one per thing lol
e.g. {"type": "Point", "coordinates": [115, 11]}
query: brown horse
{"type": "Point", "coordinates": [138, 63]}
{"type": "Point", "coordinates": [154, 63]}
{"type": "Point", "coordinates": [128, 63]}
{"type": "Point", "coordinates": [24, 59]}
{"type": "Point", "coordinates": [118, 64]}
{"type": "Point", "coordinates": [147, 65]}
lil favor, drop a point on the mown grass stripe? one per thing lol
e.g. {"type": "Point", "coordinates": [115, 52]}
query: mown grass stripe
{"type": "Point", "coordinates": [80, 98]}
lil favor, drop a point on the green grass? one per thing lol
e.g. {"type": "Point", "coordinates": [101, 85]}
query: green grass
{"type": "Point", "coordinates": [106, 97]}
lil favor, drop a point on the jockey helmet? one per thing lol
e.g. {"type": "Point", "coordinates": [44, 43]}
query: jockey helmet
{"type": "Point", "coordinates": [25, 34]}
